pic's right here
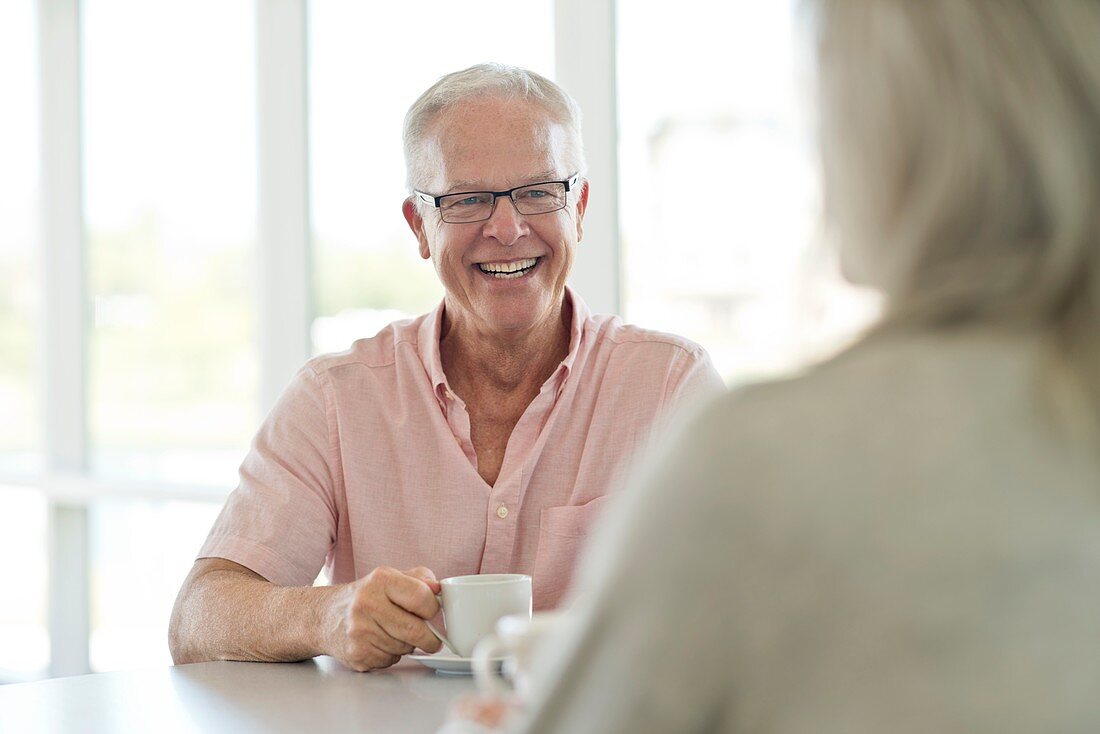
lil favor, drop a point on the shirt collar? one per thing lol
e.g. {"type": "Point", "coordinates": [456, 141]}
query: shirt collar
{"type": "Point", "coordinates": [579, 319]}
{"type": "Point", "coordinates": [427, 345]}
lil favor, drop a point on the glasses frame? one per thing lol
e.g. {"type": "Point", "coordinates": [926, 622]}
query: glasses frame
{"type": "Point", "coordinates": [568, 183]}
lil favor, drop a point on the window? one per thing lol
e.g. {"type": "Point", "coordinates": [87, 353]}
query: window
{"type": "Point", "coordinates": [170, 210]}
{"type": "Point", "coordinates": [720, 200]}
{"type": "Point", "coordinates": [719, 209]}
{"type": "Point", "coordinates": [170, 213]}
{"type": "Point", "coordinates": [24, 639]}
{"type": "Point", "coordinates": [20, 453]}
{"type": "Point", "coordinates": [140, 554]}
{"type": "Point", "coordinates": [368, 63]}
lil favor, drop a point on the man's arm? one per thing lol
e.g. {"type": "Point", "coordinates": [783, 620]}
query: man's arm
{"type": "Point", "coordinates": [224, 611]}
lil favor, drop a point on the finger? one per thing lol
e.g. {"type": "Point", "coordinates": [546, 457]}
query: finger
{"type": "Point", "coordinates": [412, 594]}
{"type": "Point", "coordinates": [367, 639]}
{"type": "Point", "coordinates": [369, 647]}
{"type": "Point", "coordinates": [410, 629]}
{"type": "Point", "coordinates": [490, 711]}
{"type": "Point", "coordinates": [365, 636]}
{"type": "Point", "coordinates": [427, 576]}
{"type": "Point", "coordinates": [386, 643]}
{"type": "Point", "coordinates": [432, 644]}
{"type": "Point", "coordinates": [377, 661]}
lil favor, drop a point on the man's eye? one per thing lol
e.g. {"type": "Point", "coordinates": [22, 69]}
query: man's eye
{"type": "Point", "coordinates": [534, 193]}
{"type": "Point", "coordinates": [471, 200]}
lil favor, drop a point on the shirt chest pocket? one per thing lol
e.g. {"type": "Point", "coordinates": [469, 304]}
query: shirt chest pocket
{"type": "Point", "coordinates": [562, 534]}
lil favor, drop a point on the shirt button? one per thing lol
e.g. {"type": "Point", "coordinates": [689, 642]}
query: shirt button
{"type": "Point", "coordinates": [502, 512]}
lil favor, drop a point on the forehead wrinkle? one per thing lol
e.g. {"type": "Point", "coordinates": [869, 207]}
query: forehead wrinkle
{"type": "Point", "coordinates": [473, 185]}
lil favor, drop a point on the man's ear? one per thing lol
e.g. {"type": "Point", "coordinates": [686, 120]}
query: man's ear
{"type": "Point", "coordinates": [416, 224]}
{"type": "Point", "coordinates": [582, 204]}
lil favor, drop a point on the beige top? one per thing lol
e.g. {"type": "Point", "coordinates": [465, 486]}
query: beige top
{"type": "Point", "coordinates": [905, 539]}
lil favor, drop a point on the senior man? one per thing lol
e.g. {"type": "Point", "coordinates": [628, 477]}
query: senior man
{"type": "Point", "coordinates": [482, 437]}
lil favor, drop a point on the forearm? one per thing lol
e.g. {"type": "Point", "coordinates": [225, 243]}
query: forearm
{"type": "Point", "coordinates": [228, 615]}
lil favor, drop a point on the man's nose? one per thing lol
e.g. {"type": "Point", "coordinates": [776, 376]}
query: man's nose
{"type": "Point", "coordinates": [505, 224]}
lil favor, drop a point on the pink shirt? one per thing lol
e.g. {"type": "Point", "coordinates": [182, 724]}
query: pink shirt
{"type": "Point", "coordinates": [366, 460]}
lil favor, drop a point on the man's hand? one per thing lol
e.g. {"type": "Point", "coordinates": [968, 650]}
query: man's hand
{"type": "Point", "coordinates": [375, 620]}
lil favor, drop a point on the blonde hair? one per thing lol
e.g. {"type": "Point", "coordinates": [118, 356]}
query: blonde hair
{"type": "Point", "coordinates": [961, 143]}
{"type": "Point", "coordinates": [488, 80]}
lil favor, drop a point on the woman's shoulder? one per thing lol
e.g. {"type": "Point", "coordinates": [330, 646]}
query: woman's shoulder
{"type": "Point", "coordinates": [891, 395]}
{"type": "Point", "coordinates": [893, 370]}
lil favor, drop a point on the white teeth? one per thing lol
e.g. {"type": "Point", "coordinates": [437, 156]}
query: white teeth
{"type": "Point", "coordinates": [513, 269]}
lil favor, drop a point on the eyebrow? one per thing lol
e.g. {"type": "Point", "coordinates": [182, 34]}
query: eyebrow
{"type": "Point", "coordinates": [465, 185]}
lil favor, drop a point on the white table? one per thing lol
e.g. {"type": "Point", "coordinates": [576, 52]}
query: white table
{"type": "Point", "coordinates": [314, 696]}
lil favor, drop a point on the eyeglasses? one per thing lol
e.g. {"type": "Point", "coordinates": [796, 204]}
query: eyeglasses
{"type": "Point", "coordinates": [477, 206]}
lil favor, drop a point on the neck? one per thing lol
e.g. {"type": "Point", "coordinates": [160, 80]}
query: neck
{"type": "Point", "coordinates": [476, 361]}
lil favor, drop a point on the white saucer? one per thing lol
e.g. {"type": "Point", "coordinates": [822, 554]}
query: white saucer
{"type": "Point", "coordinates": [445, 663]}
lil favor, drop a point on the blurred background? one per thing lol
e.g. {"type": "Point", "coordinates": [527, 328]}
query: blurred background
{"type": "Point", "coordinates": [197, 196]}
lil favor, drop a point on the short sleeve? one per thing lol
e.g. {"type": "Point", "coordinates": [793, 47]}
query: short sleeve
{"type": "Point", "coordinates": [701, 380]}
{"type": "Point", "coordinates": [281, 520]}
{"type": "Point", "coordinates": [692, 383]}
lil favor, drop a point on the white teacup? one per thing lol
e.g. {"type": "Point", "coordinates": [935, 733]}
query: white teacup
{"type": "Point", "coordinates": [473, 604]}
{"type": "Point", "coordinates": [516, 640]}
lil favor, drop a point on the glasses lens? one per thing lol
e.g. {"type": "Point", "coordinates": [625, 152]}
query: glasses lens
{"type": "Point", "coordinates": [540, 198]}
{"type": "Point", "coordinates": [466, 207]}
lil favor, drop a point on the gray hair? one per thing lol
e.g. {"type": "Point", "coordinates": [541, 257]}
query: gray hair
{"type": "Point", "coordinates": [490, 80]}
{"type": "Point", "coordinates": [961, 143]}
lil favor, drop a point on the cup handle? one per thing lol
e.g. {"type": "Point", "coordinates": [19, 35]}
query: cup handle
{"type": "Point", "coordinates": [442, 638]}
{"type": "Point", "coordinates": [488, 681]}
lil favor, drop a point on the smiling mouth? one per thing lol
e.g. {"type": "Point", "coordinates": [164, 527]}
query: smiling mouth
{"type": "Point", "coordinates": [509, 270]}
